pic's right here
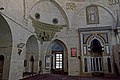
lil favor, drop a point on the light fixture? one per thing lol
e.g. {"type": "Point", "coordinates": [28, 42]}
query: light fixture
{"type": "Point", "coordinates": [21, 45]}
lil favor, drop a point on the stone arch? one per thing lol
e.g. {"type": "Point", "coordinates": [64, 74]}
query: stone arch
{"type": "Point", "coordinates": [61, 9]}
{"type": "Point", "coordinates": [5, 45]}
{"type": "Point", "coordinates": [48, 49]}
{"type": "Point", "coordinates": [98, 42]}
{"type": "Point", "coordinates": [89, 41]}
{"type": "Point", "coordinates": [111, 15]}
{"type": "Point", "coordinates": [100, 5]}
{"type": "Point", "coordinates": [57, 46]}
{"type": "Point", "coordinates": [96, 48]}
{"type": "Point", "coordinates": [32, 55]}
{"type": "Point", "coordinates": [96, 56]}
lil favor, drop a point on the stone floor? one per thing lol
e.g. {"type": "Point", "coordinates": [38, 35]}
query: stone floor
{"type": "Point", "coordinates": [65, 77]}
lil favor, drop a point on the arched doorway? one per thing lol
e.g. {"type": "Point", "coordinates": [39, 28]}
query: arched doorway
{"type": "Point", "coordinates": [1, 66]}
{"type": "Point", "coordinates": [59, 59]}
{"type": "Point", "coordinates": [5, 48]}
{"type": "Point", "coordinates": [96, 57]}
{"type": "Point", "coordinates": [32, 56]}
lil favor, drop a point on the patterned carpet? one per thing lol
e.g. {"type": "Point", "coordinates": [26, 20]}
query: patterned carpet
{"type": "Point", "coordinates": [65, 77]}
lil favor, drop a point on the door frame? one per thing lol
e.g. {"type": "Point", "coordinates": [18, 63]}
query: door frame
{"type": "Point", "coordinates": [53, 64]}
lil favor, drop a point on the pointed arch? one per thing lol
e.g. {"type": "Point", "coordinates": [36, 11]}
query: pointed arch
{"type": "Point", "coordinates": [57, 47]}
{"type": "Point", "coordinates": [32, 55]}
{"type": "Point", "coordinates": [61, 9]}
{"type": "Point", "coordinates": [89, 41]}
{"type": "Point", "coordinates": [58, 50]}
{"type": "Point", "coordinates": [32, 45]}
{"type": "Point", "coordinates": [53, 43]}
{"type": "Point", "coordinates": [6, 43]}
{"type": "Point", "coordinates": [97, 4]}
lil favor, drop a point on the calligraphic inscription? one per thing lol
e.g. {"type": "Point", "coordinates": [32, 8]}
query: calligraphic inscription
{"type": "Point", "coordinates": [70, 6]}
{"type": "Point", "coordinates": [92, 14]}
{"type": "Point", "coordinates": [113, 2]}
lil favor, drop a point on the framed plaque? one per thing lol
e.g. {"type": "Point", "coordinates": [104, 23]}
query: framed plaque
{"type": "Point", "coordinates": [92, 14]}
{"type": "Point", "coordinates": [73, 52]}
